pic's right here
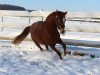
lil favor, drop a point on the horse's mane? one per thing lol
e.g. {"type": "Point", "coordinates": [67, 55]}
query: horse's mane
{"type": "Point", "coordinates": [53, 14]}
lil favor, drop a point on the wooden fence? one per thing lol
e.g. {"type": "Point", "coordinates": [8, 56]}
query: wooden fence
{"type": "Point", "coordinates": [18, 20]}
{"type": "Point", "coordinates": [45, 13]}
{"type": "Point", "coordinates": [21, 19]}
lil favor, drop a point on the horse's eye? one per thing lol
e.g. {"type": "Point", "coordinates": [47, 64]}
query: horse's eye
{"type": "Point", "coordinates": [65, 19]}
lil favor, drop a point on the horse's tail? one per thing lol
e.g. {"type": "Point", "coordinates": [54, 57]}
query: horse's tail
{"type": "Point", "coordinates": [22, 36]}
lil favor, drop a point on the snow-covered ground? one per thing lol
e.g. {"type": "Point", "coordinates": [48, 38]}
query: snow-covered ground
{"type": "Point", "coordinates": [78, 26]}
{"type": "Point", "coordinates": [79, 37]}
{"type": "Point", "coordinates": [27, 59]}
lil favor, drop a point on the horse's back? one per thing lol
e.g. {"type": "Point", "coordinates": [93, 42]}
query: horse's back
{"type": "Point", "coordinates": [37, 26]}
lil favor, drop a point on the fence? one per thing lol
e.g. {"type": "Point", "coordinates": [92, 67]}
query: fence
{"type": "Point", "coordinates": [12, 23]}
{"type": "Point", "coordinates": [21, 19]}
{"type": "Point", "coordinates": [18, 19]}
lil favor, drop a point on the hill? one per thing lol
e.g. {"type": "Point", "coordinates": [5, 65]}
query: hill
{"type": "Point", "coordinates": [11, 7]}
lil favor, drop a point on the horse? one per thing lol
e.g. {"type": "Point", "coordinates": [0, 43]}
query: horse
{"type": "Point", "coordinates": [46, 32]}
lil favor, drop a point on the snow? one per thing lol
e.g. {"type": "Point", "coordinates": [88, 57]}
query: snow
{"type": "Point", "coordinates": [82, 37]}
{"type": "Point", "coordinates": [78, 26]}
{"type": "Point", "coordinates": [27, 59]}
{"type": "Point", "coordinates": [31, 61]}
{"type": "Point", "coordinates": [79, 37]}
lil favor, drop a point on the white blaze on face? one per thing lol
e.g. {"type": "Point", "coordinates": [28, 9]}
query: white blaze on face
{"type": "Point", "coordinates": [64, 19]}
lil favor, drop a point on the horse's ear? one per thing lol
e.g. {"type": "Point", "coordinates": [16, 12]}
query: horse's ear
{"type": "Point", "coordinates": [65, 13]}
{"type": "Point", "coordinates": [56, 10]}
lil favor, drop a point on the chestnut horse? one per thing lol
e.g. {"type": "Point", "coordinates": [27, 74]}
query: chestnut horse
{"type": "Point", "coordinates": [46, 32]}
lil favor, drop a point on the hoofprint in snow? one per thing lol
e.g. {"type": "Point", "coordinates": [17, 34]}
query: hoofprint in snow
{"type": "Point", "coordinates": [27, 59]}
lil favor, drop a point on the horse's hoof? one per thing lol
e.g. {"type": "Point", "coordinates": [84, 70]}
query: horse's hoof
{"type": "Point", "coordinates": [41, 50]}
{"type": "Point", "coordinates": [62, 54]}
{"type": "Point", "coordinates": [69, 53]}
{"type": "Point", "coordinates": [61, 58]}
{"type": "Point", "coordinates": [65, 53]}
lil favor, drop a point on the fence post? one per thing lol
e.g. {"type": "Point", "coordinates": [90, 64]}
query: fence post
{"type": "Point", "coordinates": [42, 18]}
{"type": "Point", "coordinates": [2, 22]}
{"type": "Point", "coordinates": [29, 19]}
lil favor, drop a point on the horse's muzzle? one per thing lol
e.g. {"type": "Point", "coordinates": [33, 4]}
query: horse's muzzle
{"type": "Point", "coordinates": [62, 30]}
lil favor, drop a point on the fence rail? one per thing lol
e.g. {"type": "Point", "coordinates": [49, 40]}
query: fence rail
{"type": "Point", "coordinates": [45, 14]}
{"type": "Point", "coordinates": [12, 23]}
{"type": "Point", "coordinates": [21, 19]}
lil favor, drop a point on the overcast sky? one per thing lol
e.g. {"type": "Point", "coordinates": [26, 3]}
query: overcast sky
{"type": "Point", "coordinates": [69, 5]}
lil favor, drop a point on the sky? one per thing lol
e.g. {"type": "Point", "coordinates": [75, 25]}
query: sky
{"type": "Point", "coordinates": [62, 5]}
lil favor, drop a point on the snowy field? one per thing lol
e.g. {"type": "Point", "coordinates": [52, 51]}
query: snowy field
{"type": "Point", "coordinates": [83, 32]}
{"type": "Point", "coordinates": [27, 59]}
{"type": "Point", "coordinates": [78, 26]}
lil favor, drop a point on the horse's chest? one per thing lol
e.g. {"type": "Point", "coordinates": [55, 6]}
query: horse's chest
{"type": "Point", "coordinates": [54, 36]}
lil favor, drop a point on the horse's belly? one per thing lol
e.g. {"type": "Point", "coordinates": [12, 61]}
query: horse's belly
{"type": "Point", "coordinates": [37, 37]}
{"type": "Point", "coordinates": [38, 33]}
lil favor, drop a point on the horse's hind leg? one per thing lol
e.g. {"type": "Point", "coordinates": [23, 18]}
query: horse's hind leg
{"type": "Point", "coordinates": [46, 47]}
{"type": "Point", "coordinates": [38, 45]}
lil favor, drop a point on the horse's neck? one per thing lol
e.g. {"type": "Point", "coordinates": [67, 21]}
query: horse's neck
{"type": "Point", "coordinates": [51, 27]}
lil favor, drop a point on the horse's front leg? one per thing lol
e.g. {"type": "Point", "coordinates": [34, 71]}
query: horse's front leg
{"type": "Point", "coordinates": [38, 45]}
{"type": "Point", "coordinates": [53, 47]}
{"type": "Point", "coordinates": [63, 45]}
{"type": "Point", "coordinates": [46, 47]}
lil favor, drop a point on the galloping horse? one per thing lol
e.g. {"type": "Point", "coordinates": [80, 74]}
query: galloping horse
{"type": "Point", "coordinates": [46, 32]}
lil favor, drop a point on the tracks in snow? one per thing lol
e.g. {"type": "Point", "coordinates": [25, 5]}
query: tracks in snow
{"type": "Point", "coordinates": [74, 50]}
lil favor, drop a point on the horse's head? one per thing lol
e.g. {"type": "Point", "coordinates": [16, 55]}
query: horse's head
{"type": "Point", "coordinates": [57, 19]}
{"type": "Point", "coordinates": [60, 21]}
